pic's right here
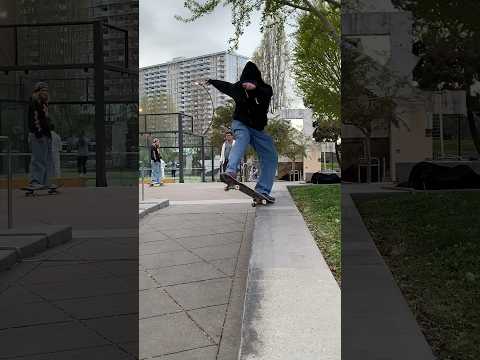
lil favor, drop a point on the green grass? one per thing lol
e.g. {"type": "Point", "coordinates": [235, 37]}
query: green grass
{"type": "Point", "coordinates": [320, 207]}
{"type": "Point", "coordinates": [431, 242]}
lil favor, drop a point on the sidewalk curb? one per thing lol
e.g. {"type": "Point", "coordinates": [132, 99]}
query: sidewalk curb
{"type": "Point", "coordinates": [286, 272]}
{"type": "Point", "coordinates": [151, 207]}
{"type": "Point", "coordinates": [392, 331]}
{"type": "Point", "coordinates": [17, 244]}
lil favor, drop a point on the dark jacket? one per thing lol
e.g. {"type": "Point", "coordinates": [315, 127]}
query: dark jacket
{"type": "Point", "coordinates": [154, 154]}
{"type": "Point", "coordinates": [44, 127]}
{"type": "Point", "coordinates": [251, 107]}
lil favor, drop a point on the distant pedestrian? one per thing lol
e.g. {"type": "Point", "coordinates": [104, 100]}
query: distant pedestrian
{"type": "Point", "coordinates": [226, 148]}
{"type": "Point", "coordinates": [56, 149]}
{"type": "Point", "coordinates": [155, 162]}
{"type": "Point", "coordinates": [162, 170]}
{"type": "Point", "coordinates": [174, 169]}
{"type": "Point", "coordinates": [40, 137]}
{"type": "Point", "coordinates": [82, 154]}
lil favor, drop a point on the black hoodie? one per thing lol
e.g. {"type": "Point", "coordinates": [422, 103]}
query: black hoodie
{"type": "Point", "coordinates": [251, 106]}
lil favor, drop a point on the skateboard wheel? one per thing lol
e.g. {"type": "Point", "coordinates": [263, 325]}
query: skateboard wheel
{"type": "Point", "coordinates": [264, 202]}
{"type": "Point", "coordinates": [254, 204]}
{"type": "Point", "coordinates": [237, 187]}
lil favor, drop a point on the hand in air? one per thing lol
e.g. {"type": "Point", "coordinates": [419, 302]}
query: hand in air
{"type": "Point", "coordinates": [249, 86]}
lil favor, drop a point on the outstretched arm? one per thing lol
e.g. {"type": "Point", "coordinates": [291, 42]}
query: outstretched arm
{"type": "Point", "coordinates": [223, 86]}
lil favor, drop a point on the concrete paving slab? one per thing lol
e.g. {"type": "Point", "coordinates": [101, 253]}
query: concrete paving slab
{"type": "Point", "coordinates": [185, 273]}
{"type": "Point", "coordinates": [227, 266]}
{"type": "Point", "coordinates": [169, 334]}
{"type": "Point", "coordinates": [159, 247]}
{"type": "Point", "coordinates": [64, 272]}
{"type": "Point", "coordinates": [99, 306]}
{"type": "Point", "coordinates": [33, 340]}
{"type": "Point", "coordinates": [154, 261]}
{"type": "Point", "coordinates": [8, 258]}
{"type": "Point", "coordinates": [113, 328]}
{"type": "Point", "coordinates": [210, 319]}
{"type": "Point", "coordinates": [155, 302]}
{"type": "Point", "coordinates": [31, 314]}
{"type": "Point", "coordinates": [204, 353]}
{"type": "Point", "coordinates": [217, 252]}
{"type": "Point", "coordinates": [211, 240]}
{"type": "Point", "coordinates": [201, 294]}
{"type": "Point", "coordinates": [95, 353]}
{"type": "Point", "coordinates": [146, 282]}
{"type": "Point", "coordinates": [79, 288]}
{"type": "Point", "coordinates": [17, 295]}
{"type": "Point", "coordinates": [103, 249]}
{"type": "Point", "coordinates": [152, 237]}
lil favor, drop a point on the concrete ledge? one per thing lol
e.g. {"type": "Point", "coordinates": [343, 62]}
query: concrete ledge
{"type": "Point", "coordinates": [147, 207]}
{"type": "Point", "coordinates": [24, 246]}
{"type": "Point", "coordinates": [292, 303]}
{"type": "Point", "coordinates": [7, 259]}
{"type": "Point", "coordinates": [17, 244]}
{"type": "Point", "coordinates": [377, 322]}
{"type": "Point", "coordinates": [54, 234]}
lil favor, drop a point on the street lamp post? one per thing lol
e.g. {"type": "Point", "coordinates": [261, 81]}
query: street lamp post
{"type": "Point", "coordinates": [208, 128]}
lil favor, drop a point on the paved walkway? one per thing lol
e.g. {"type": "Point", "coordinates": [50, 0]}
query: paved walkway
{"type": "Point", "coordinates": [193, 266]}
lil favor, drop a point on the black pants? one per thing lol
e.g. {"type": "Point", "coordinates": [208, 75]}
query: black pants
{"type": "Point", "coordinates": [82, 164]}
{"type": "Point", "coordinates": [224, 166]}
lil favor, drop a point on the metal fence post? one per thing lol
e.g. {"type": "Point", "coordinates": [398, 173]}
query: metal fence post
{"type": "Point", "coordinates": [203, 159]}
{"type": "Point", "coordinates": [180, 147]}
{"type": "Point", "coordinates": [9, 181]}
{"type": "Point", "coordinates": [10, 185]}
{"type": "Point", "coordinates": [213, 164]}
{"type": "Point", "coordinates": [142, 169]}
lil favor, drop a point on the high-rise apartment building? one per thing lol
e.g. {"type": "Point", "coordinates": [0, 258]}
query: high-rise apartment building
{"type": "Point", "coordinates": [175, 81]}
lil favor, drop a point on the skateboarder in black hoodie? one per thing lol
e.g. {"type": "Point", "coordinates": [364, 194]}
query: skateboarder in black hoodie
{"type": "Point", "coordinates": [252, 99]}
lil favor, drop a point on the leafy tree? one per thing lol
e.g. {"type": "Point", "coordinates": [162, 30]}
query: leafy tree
{"type": "Point", "coordinates": [369, 94]}
{"type": "Point", "coordinates": [448, 43]}
{"type": "Point", "coordinates": [317, 70]}
{"type": "Point", "coordinates": [288, 141]}
{"type": "Point", "coordinates": [222, 121]}
{"type": "Point", "coordinates": [272, 58]}
{"type": "Point", "coordinates": [243, 9]}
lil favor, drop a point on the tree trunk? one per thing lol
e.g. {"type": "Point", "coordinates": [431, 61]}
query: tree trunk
{"type": "Point", "coordinates": [368, 149]}
{"type": "Point", "coordinates": [337, 154]}
{"type": "Point", "coordinates": [472, 122]}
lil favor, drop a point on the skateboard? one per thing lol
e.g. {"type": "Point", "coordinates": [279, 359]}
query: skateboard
{"type": "Point", "coordinates": [30, 191]}
{"type": "Point", "coordinates": [233, 184]}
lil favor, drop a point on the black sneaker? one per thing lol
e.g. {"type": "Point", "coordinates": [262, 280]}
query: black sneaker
{"type": "Point", "coordinates": [269, 198]}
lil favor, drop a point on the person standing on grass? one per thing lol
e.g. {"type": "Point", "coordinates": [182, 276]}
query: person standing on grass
{"type": "Point", "coordinates": [40, 137]}
{"type": "Point", "coordinates": [226, 148]}
{"type": "Point", "coordinates": [155, 162]}
{"type": "Point", "coordinates": [252, 99]}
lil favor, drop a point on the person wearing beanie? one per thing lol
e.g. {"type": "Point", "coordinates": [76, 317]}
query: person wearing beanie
{"type": "Point", "coordinates": [40, 137]}
{"type": "Point", "coordinates": [252, 99]}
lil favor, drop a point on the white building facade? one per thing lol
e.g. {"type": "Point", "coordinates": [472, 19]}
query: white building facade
{"type": "Point", "coordinates": [177, 79]}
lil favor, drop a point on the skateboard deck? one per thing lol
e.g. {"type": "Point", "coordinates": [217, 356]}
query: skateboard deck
{"type": "Point", "coordinates": [233, 184]}
{"type": "Point", "coordinates": [30, 191]}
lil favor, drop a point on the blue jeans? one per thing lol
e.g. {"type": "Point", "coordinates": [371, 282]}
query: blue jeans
{"type": "Point", "coordinates": [41, 162]}
{"type": "Point", "coordinates": [155, 172]}
{"type": "Point", "coordinates": [263, 144]}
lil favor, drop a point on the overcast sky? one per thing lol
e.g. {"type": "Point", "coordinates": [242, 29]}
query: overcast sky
{"type": "Point", "coordinates": [162, 37]}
